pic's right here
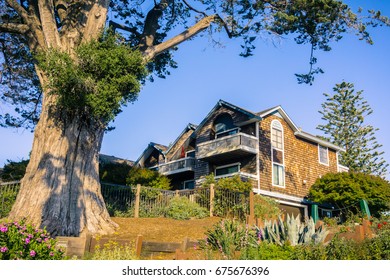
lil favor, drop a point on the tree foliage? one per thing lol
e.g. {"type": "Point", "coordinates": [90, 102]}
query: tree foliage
{"type": "Point", "coordinates": [345, 190]}
{"type": "Point", "coordinates": [14, 170]}
{"type": "Point", "coordinates": [105, 74]}
{"type": "Point", "coordinates": [345, 113]}
{"type": "Point", "coordinates": [147, 178]}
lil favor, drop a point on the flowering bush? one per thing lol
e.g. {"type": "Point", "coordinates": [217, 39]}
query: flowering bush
{"type": "Point", "coordinates": [21, 241]}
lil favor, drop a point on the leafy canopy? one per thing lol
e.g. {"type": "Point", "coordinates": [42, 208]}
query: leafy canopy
{"type": "Point", "coordinates": [347, 189]}
{"type": "Point", "coordinates": [105, 74]}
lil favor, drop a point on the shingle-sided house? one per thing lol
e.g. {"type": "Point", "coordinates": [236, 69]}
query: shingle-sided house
{"type": "Point", "coordinates": [266, 148]}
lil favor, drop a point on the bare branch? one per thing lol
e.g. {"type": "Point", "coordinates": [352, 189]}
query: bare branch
{"type": "Point", "coordinates": [201, 25]}
{"type": "Point", "coordinates": [14, 28]}
{"type": "Point", "coordinates": [193, 9]}
{"type": "Point", "coordinates": [116, 25]}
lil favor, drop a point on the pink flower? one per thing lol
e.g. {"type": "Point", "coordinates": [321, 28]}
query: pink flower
{"type": "Point", "coordinates": [27, 240]}
{"type": "Point", "coordinates": [32, 253]}
{"type": "Point", "coordinates": [3, 229]}
{"type": "Point", "coordinates": [51, 254]}
{"type": "Point", "coordinates": [3, 249]}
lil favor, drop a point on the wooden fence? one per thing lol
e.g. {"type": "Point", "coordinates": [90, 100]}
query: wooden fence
{"type": "Point", "coordinates": [140, 201]}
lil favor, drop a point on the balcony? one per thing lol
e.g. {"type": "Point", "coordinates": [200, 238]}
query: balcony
{"type": "Point", "coordinates": [228, 147]}
{"type": "Point", "coordinates": [177, 166]}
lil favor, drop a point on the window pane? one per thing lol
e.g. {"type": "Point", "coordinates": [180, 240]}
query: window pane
{"type": "Point", "coordinates": [189, 184]}
{"type": "Point", "coordinates": [278, 175]}
{"type": "Point", "coordinates": [226, 170]}
{"type": "Point", "coordinates": [323, 154]}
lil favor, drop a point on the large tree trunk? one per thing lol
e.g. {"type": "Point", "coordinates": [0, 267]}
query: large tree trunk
{"type": "Point", "coordinates": [61, 188]}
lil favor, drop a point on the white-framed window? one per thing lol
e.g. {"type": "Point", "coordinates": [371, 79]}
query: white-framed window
{"type": "Point", "coordinates": [226, 170]}
{"type": "Point", "coordinates": [190, 153]}
{"type": "Point", "coordinates": [227, 132]}
{"type": "Point", "coordinates": [323, 155]}
{"type": "Point", "coordinates": [277, 154]}
{"type": "Point", "coordinates": [277, 135]}
{"type": "Point", "coordinates": [278, 175]}
{"type": "Point", "coordinates": [190, 184]}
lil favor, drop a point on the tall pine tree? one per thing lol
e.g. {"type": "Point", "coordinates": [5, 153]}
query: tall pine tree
{"type": "Point", "coordinates": [344, 113]}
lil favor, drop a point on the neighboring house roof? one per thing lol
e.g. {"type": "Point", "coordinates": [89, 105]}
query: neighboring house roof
{"type": "Point", "coordinates": [111, 159]}
{"type": "Point", "coordinates": [221, 103]}
{"type": "Point", "coordinates": [298, 131]}
{"type": "Point", "coordinates": [148, 151]}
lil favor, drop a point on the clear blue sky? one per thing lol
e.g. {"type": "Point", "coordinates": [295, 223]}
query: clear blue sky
{"type": "Point", "coordinates": [207, 74]}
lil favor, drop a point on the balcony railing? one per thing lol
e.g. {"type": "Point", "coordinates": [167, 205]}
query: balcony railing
{"type": "Point", "coordinates": [177, 166]}
{"type": "Point", "coordinates": [239, 144]}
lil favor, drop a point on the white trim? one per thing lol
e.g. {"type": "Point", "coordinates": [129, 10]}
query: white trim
{"type": "Point", "coordinates": [280, 195]}
{"type": "Point", "coordinates": [227, 165]}
{"type": "Point", "coordinates": [176, 160]}
{"type": "Point", "coordinates": [190, 151]}
{"type": "Point", "coordinates": [319, 154]}
{"type": "Point", "coordinates": [228, 130]}
{"type": "Point", "coordinates": [280, 128]}
{"type": "Point", "coordinates": [305, 208]}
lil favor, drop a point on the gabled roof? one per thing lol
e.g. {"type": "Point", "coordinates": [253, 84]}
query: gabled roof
{"type": "Point", "coordinates": [149, 149]}
{"type": "Point", "coordinates": [221, 103]}
{"type": "Point", "coordinates": [190, 126]}
{"type": "Point", "coordinates": [112, 159]}
{"type": "Point", "coordinates": [298, 131]}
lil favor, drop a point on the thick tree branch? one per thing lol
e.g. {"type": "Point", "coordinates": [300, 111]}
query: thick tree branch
{"type": "Point", "coordinates": [49, 26]}
{"type": "Point", "coordinates": [61, 7]}
{"type": "Point", "coordinates": [151, 25]}
{"type": "Point", "coordinates": [19, 9]}
{"type": "Point", "coordinates": [201, 25]}
{"type": "Point", "coordinates": [14, 28]}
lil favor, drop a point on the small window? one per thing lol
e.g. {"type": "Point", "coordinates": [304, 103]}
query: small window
{"type": "Point", "coordinates": [189, 184]}
{"type": "Point", "coordinates": [227, 170]}
{"type": "Point", "coordinates": [278, 175]}
{"type": "Point", "coordinates": [323, 155]}
{"type": "Point", "coordinates": [190, 154]}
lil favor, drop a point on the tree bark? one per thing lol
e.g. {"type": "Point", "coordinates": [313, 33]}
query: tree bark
{"type": "Point", "coordinates": [61, 188]}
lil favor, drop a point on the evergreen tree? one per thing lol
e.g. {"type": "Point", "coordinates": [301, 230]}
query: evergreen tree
{"type": "Point", "coordinates": [344, 113]}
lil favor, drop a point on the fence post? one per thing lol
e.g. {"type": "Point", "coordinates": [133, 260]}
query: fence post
{"type": "Point", "coordinates": [177, 193]}
{"type": "Point", "coordinates": [211, 199]}
{"type": "Point", "coordinates": [137, 201]}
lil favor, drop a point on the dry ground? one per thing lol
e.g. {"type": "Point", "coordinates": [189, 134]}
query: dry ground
{"type": "Point", "coordinates": [162, 229]}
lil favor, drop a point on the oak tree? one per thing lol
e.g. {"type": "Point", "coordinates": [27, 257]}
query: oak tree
{"type": "Point", "coordinates": [67, 78]}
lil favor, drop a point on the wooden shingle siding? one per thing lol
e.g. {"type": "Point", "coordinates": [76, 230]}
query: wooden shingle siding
{"type": "Point", "coordinates": [301, 162]}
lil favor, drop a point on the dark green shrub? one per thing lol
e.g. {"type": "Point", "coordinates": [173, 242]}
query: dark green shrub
{"type": "Point", "coordinates": [20, 241]}
{"type": "Point", "coordinates": [148, 178]}
{"type": "Point", "coordinates": [181, 208]}
{"type": "Point", "coordinates": [14, 171]}
{"type": "Point", "coordinates": [115, 173]}
{"type": "Point", "coordinates": [347, 189]}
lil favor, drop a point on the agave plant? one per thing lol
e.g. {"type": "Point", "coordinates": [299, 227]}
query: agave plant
{"type": "Point", "coordinates": [293, 231]}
